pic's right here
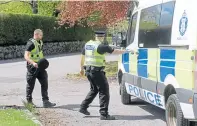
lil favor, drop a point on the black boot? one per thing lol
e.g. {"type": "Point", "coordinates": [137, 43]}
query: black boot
{"type": "Point", "coordinates": [107, 117]}
{"type": "Point", "coordinates": [84, 111]}
{"type": "Point", "coordinates": [48, 104]}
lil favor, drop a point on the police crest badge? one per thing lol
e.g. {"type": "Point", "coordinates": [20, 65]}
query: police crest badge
{"type": "Point", "coordinates": [183, 24]}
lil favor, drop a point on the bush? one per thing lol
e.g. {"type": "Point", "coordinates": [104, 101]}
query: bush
{"type": "Point", "coordinates": [47, 7]}
{"type": "Point", "coordinates": [23, 7]}
{"type": "Point", "coordinates": [18, 28]}
{"type": "Point", "coordinates": [15, 7]}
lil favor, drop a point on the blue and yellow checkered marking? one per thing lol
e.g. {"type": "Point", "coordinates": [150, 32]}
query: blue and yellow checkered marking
{"type": "Point", "coordinates": [125, 61]}
{"type": "Point", "coordinates": [156, 64]}
{"type": "Point", "coordinates": [142, 63]}
{"type": "Point", "coordinates": [167, 63]}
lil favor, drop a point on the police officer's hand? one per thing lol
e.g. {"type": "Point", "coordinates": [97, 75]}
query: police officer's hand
{"type": "Point", "coordinates": [82, 72]}
{"type": "Point", "coordinates": [131, 51]}
{"type": "Point", "coordinates": [35, 65]}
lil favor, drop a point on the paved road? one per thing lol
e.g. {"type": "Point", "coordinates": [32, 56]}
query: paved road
{"type": "Point", "coordinates": [68, 94]}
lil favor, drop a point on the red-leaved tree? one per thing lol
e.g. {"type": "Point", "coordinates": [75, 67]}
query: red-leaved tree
{"type": "Point", "coordinates": [94, 13]}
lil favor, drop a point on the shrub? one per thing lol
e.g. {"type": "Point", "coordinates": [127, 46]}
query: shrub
{"type": "Point", "coordinates": [18, 28]}
{"type": "Point", "coordinates": [15, 7]}
{"type": "Point", "coordinates": [47, 7]}
{"type": "Point", "coordinates": [23, 7]}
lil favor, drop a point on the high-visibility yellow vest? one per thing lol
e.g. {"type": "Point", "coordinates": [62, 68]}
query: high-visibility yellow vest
{"type": "Point", "coordinates": [36, 54]}
{"type": "Point", "coordinates": [92, 57]}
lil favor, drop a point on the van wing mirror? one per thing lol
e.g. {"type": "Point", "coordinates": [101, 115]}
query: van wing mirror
{"type": "Point", "coordinates": [123, 43]}
{"type": "Point", "coordinates": [123, 39]}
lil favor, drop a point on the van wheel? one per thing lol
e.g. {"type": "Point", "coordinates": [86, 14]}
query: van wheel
{"type": "Point", "coordinates": [125, 97]}
{"type": "Point", "coordinates": [174, 114]}
{"type": "Point", "coordinates": [193, 123]}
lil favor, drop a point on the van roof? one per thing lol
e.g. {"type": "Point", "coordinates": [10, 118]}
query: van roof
{"type": "Point", "coordinates": [149, 3]}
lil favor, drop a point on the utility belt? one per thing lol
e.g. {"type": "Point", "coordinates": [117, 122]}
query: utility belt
{"type": "Point", "coordinates": [93, 69]}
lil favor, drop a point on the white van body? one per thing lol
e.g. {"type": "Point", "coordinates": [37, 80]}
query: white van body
{"type": "Point", "coordinates": [164, 33]}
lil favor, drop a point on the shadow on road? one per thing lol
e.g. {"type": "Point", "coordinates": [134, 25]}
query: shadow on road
{"type": "Point", "coordinates": [48, 57]}
{"type": "Point", "coordinates": [129, 117]}
{"type": "Point", "coordinates": [155, 112]}
{"type": "Point", "coordinates": [73, 107]}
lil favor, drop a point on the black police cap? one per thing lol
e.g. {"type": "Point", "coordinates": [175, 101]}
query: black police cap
{"type": "Point", "coordinates": [99, 33]}
{"type": "Point", "coordinates": [43, 64]}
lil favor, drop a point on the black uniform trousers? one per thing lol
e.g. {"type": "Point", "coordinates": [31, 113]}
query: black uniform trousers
{"type": "Point", "coordinates": [98, 84]}
{"type": "Point", "coordinates": [42, 76]}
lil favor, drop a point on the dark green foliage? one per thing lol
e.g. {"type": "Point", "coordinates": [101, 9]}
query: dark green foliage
{"type": "Point", "coordinates": [18, 28]}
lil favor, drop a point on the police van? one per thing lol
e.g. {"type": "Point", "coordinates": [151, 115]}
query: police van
{"type": "Point", "coordinates": [163, 71]}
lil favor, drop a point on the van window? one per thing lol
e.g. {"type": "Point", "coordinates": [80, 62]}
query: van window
{"type": "Point", "coordinates": [166, 22]}
{"type": "Point", "coordinates": [156, 25]}
{"type": "Point", "coordinates": [149, 25]}
{"type": "Point", "coordinates": [131, 31]}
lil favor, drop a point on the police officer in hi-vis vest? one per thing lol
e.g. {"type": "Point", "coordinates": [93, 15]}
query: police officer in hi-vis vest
{"type": "Point", "coordinates": [93, 61]}
{"type": "Point", "coordinates": [34, 54]}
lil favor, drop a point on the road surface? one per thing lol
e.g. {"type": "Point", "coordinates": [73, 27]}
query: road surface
{"type": "Point", "coordinates": [68, 95]}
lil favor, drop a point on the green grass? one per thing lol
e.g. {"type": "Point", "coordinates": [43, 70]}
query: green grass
{"type": "Point", "coordinates": [110, 69]}
{"type": "Point", "coordinates": [13, 117]}
{"type": "Point", "coordinates": [29, 106]}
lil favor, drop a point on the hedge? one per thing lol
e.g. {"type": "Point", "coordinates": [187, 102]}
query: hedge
{"type": "Point", "coordinates": [15, 7]}
{"type": "Point", "coordinates": [45, 8]}
{"type": "Point", "coordinates": [18, 28]}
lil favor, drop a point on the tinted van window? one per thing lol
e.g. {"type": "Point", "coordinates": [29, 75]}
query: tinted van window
{"type": "Point", "coordinates": [149, 26]}
{"type": "Point", "coordinates": [156, 25]}
{"type": "Point", "coordinates": [166, 21]}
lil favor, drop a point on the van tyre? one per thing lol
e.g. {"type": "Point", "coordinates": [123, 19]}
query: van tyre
{"type": "Point", "coordinates": [193, 123]}
{"type": "Point", "coordinates": [174, 114]}
{"type": "Point", "coordinates": [125, 97]}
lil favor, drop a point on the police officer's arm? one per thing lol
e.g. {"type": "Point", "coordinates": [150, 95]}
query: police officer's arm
{"type": "Point", "coordinates": [29, 47]}
{"type": "Point", "coordinates": [82, 58]}
{"type": "Point", "coordinates": [118, 51]}
{"type": "Point", "coordinates": [108, 49]}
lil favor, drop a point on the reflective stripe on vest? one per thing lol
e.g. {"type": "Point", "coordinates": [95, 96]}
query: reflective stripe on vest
{"type": "Point", "coordinates": [92, 57]}
{"type": "Point", "coordinates": [36, 53]}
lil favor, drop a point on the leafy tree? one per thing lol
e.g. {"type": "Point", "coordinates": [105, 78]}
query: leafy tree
{"type": "Point", "coordinates": [94, 13]}
{"type": "Point", "coordinates": [119, 27]}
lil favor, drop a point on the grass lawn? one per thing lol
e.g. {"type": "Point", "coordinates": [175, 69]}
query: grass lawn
{"type": "Point", "coordinates": [13, 117]}
{"type": "Point", "coordinates": [110, 69]}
